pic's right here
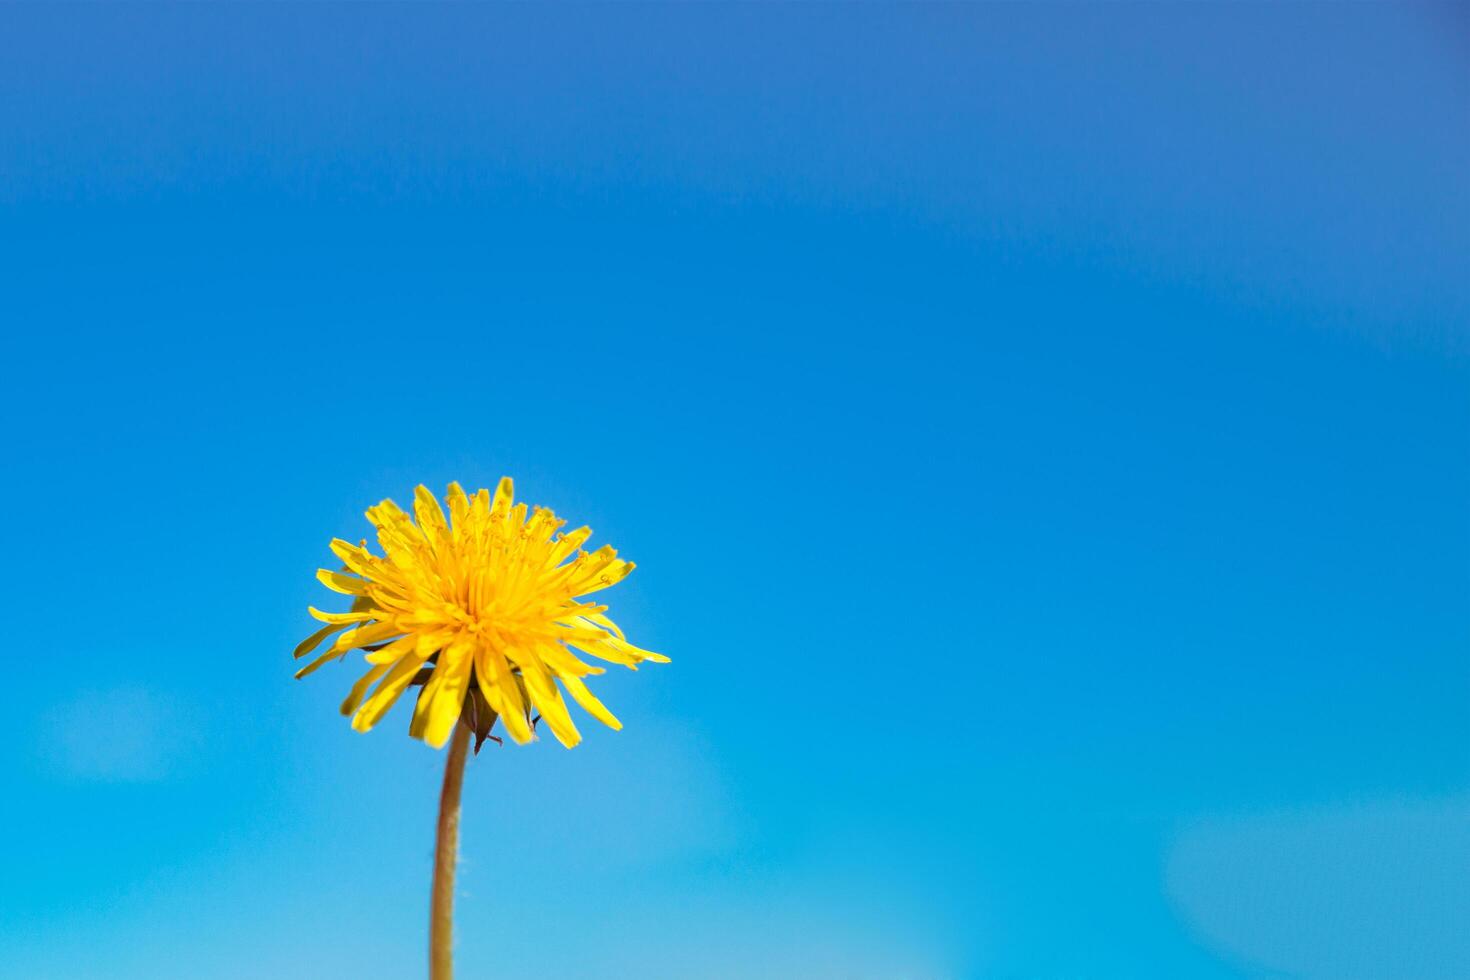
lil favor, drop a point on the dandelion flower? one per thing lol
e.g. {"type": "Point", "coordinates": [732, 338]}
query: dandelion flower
{"type": "Point", "coordinates": [486, 604]}
{"type": "Point", "coordinates": [486, 611]}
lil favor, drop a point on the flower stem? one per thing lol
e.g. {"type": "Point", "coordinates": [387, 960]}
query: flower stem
{"type": "Point", "coordinates": [446, 850]}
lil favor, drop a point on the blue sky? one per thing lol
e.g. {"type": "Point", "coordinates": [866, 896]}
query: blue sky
{"type": "Point", "coordinates": [1042, 433]}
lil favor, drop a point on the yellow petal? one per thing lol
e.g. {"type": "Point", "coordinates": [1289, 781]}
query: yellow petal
{"type": "Point", "coordinates": [568, 543]}
{"type": "Point", "coordinates": [548, 701]}
{"type": "Point", "coordinates": [430, 516]}
{"type": "Point", "coordinates": [589, 702]}
{"type": "Point", "coordinates": [603, 650]}
{"type": "Point", "coordinates": [480, 510]}
{"type": "Point", "coordinates": [337, 582]}
{"type": "Point", "coordinates": [448, 703]}
{"type": "Point", "coordinates": [459, 511]}
{"type": "Point", "coordinates": [311, 667]}
{"type": "Point", "coordinates": [565, 663]}
{"type": "Point", "coordinates": [605, 577]}
{"type": "Point", "coordinates": [354, 697]}
{"type": "Point", "coordinates": [420, 719]}
{"type": "Point", "coordinates": [399, 538]}
{"type": "Point", "coordinates": [503, 496]}
{"type": "Point", "coordinates": [314, 640]}
{"type": "Point", "coordinates": [357, 559]}
{"type": "Point", "coordinates": [387, 692]}
{"type": "Point", "coordinates": [365, 636]}
{"type": "Point", "coordinates": [390, 654]}
{"type": "Point", "coordinates": [638, 652]}
{"type": "Point", "coordinates": [543, 525]}
{"type": "Point", "coordinates": [342, 619]}
{"type": "Point", "coordinates": [607, 624]}
{"type": "Point", "coordinates": [503, 693]}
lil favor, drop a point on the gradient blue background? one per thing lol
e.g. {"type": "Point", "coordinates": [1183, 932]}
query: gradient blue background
{"type": "Point", "coordinates": [1042, 432]}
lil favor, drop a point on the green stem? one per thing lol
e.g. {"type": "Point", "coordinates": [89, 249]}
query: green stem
{"type": "Point", "coordinates": [446, 850]}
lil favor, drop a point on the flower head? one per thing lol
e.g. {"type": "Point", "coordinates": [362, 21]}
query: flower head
{"type": "Point", "coordinates": [484, 604]}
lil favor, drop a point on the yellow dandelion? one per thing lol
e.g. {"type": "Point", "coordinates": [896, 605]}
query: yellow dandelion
{"type": "Point", "coordinates": [484, 610]}
{"type": "Point", "coordinates": [486, 604]}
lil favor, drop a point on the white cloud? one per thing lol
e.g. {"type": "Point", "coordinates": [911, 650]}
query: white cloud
{"type": "Point", "coordinates": [1369, 890]}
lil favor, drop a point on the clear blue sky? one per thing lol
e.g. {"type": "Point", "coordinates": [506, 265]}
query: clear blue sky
{"type": "Point", "coordinates": [1043, 432]}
